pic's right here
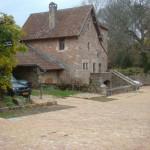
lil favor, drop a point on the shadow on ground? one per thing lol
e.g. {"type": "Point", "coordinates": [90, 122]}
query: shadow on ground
{"type": "Point", "coordinates": [32, 111]}
{"type": "Point", "coordinates": [102, 99]}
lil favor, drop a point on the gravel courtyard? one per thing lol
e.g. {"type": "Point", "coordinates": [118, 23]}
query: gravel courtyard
{"type": "Point", "coordinates": [120, 124]}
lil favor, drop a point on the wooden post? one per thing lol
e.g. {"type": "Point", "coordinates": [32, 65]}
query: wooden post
{"type": "Point", "coordinates": [39, 72]}
{"type": "Point", "coordinates": [41, 91]}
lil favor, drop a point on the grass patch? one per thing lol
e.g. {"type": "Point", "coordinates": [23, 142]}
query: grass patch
{"type": "Point", "coordinates": [8, 102]}
{"type": "Point", "coordinates": [8, 114]}
{"type": "Point", "coordinates": [54, 92]}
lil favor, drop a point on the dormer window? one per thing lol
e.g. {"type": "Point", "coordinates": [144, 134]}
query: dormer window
{"type": "Point", "coordinates": [61, 44]}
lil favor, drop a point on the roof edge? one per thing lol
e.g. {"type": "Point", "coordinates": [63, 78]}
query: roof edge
{"type": "Point", "coordinates": [103, 27]}
{"type": "Point", "coordinates": [85, 20]}
{"type": "Point", "coordinates": [48, 38]}
{"type": "Point", "coordinates": [42, 56]}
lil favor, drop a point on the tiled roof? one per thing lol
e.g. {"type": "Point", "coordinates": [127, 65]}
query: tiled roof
{"type": "Point", "coordinates": [32, 58]}
{"type": "Point", "coordinates": [69, 22]}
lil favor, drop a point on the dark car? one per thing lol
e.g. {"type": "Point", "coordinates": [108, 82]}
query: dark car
{"type": "Point", "coordinates": [20, 88]}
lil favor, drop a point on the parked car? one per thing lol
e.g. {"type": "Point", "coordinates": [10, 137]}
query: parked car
{"type": "Point", "coordinates": [20, 88]}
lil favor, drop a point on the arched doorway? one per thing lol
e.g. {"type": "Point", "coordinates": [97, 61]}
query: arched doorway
{"type": "Point", "coordinates": [107, 83]}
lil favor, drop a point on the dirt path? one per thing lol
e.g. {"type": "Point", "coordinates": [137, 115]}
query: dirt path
{"type": "Point", "coordinates": [121, 124]}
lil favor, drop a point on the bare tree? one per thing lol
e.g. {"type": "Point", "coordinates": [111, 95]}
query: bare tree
{"type": "Point", "coordinates": [128, 23]}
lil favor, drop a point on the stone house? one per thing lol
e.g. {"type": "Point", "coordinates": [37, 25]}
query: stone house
{"type": "Point", "coordinates": [64, 46]}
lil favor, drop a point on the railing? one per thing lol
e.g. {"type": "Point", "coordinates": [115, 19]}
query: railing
{"type": "Point", "coordinates": [127, 79]}
{"type": "Point", "coordinates": [120, 89]}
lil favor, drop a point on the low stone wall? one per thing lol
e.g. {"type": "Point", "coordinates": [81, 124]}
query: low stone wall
{"type": "Point", "coordinates": [100, 77]}
{"type": "Point", "coordinates": [97, 79]}
{"type": "Point", "coordinates": [145, 79]}
{"type": "Point", "coordinates": [121, 89]}
{"type": "Point", "coordinates": [114, 86]}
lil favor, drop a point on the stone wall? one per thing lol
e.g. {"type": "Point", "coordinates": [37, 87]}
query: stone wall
{"type": "Point", "coordinates": [118, 90]}
{"type": "Point", "coordinates": [89, 51]}
{"type": "Point", "coordinates": [85, 48]}
{"type": "Point", "coordinates": [66, 57]}
{"type": "Point", "coordinates": [101, 77]}
{"type": "Point", "coordinates": [114, 84]}
{"type": "Point", "coordinates": [97, 79]}
{"type": "Point", "coordinates": [50, 77]}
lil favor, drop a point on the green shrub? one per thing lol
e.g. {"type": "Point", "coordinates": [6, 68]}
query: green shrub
{"type": "Point", "coordinates": [131, 71]}
{"type": "Point", "coordinates": [8, 101]}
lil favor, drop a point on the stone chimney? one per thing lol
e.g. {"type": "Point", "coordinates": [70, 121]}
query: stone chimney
{"type": "Point", "coordinates": [52, 15]}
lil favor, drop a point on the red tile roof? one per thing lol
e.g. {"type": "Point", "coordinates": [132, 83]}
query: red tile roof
{"type": "Point", "coordinates": [69, 22]}
{"type": "Point", "coordinates": [32, 58]}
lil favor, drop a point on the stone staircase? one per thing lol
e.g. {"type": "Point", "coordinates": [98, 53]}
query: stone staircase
{"type": "Point", "coordinates": [119, 83]}
{"type": "Point", "coordinates": [126, 84]}
{"type": "Point", "coordinates": [123, 77]}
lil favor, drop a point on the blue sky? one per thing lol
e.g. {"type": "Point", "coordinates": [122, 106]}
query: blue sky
{"type": "Point", "coordinates": [21, 9]}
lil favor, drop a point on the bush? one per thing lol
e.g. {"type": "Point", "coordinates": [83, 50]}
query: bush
{"type": "Point", "coordinates": [8, 101]}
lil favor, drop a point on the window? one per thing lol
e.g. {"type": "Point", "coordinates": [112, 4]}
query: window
{"type": "Point", "coordinates": [98, 53]}
{"type": "Point", "coordinates": [94, 67]}
{"type": "Point", "coordinates": [99, 67]}
{"type": "Point", "coordinates": [88, 45]}
{"type": "Point", "coordinates": [61, 44]}
{"type": "Point", "coordinates": [85, 66]}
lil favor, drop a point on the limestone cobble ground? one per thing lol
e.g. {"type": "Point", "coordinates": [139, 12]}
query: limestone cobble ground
{"type": "Point", "coordinates": [121, 124]}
